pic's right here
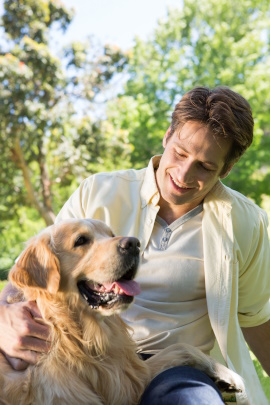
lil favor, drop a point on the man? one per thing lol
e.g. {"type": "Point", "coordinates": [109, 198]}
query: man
{"type": "Point", "coordinates": [205, 261]}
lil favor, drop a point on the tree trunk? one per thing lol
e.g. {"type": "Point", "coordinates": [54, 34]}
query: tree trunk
{"type": "Point", "coordinates": [45, 210]}
{"type": "Point", "coordinates": [45, 181]}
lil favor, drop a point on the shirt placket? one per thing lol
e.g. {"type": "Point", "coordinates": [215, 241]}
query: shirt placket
{"type": "Point", "coordinates": [165, 238]}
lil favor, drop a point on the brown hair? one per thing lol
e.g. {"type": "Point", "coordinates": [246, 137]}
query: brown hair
{"type": "Point", "coordinates": [225, 112]}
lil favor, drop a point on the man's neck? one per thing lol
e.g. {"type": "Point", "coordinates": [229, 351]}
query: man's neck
{"type": "Point", "coordinates": [171, 213]}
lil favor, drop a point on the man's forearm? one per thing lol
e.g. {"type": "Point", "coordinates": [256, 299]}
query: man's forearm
{"type": "Point", "coordinates": [258, 339]}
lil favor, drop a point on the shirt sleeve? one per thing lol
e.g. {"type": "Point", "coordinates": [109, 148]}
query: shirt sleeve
{"type": "Point", "coordinates": [254, 279]}
{"type": "Point", "coordinates": [74, 207]}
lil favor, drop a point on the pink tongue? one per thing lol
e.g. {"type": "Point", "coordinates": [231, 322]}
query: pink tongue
{"type": "Point", "coordinates": [129, 287]}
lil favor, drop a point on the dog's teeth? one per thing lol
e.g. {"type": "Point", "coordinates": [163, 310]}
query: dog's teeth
{"type": "Point", "coordinates": [116, 290]}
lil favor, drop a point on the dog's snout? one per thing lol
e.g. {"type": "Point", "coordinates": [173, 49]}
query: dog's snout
{"type": "Point", "coordinates": [129, 245]}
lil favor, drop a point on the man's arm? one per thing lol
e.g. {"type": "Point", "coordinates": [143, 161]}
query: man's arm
{"type": "Point", "coordinates": [258, 339]}
{"type": "Point", "coordinates": [22, 339]}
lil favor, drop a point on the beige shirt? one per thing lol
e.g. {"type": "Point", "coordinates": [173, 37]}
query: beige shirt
{"type": "Point", "coordinates": [172, 305]}
{"type": "Point", "coordinates": [235, 247]}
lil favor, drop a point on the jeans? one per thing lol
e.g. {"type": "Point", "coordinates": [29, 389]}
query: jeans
{"type": "Point", "coordinates": [182, 385]}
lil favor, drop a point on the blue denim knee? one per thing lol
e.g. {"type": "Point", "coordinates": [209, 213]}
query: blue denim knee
{"type": "Point", "coordinates": [182, 385]}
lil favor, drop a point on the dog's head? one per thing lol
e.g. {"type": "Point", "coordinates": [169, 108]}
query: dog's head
{"type": "Point", "coordinates": [81, 257]}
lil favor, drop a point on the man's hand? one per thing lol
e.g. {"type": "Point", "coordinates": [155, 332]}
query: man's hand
{"type": "Point", "coordinates": [22, 337]}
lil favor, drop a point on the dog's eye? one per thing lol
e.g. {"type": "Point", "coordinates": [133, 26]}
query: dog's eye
{"type": "Point", "coordinates": [81, 240]}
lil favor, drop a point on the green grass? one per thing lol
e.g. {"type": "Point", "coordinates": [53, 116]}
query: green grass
{"type": "Point", "coordinates": [265, 380]}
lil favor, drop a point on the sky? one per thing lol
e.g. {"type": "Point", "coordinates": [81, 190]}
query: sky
{"type": "Point", "coordinates": [115, 21]}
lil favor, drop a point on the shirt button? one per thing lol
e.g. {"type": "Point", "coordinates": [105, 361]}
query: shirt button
{"type": "Point", "coordinates": [149, 221]}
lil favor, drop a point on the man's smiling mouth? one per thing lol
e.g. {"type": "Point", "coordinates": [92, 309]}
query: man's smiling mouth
{"type": "Point", "coordinates": [180, 186]}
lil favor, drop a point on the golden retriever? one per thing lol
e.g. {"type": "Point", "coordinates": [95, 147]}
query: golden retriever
{"type": "Point", "coordinates": [81, 277]}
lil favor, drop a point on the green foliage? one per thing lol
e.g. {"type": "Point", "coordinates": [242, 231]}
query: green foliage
{"type": "Point", "coordinates": [46, 147]}
{"type": "Point", "coordinates": [14, 233]}
{"type": "Point", "coordinates": [31, 82]}
{"type": "Point", "coordinates": [33, 18]}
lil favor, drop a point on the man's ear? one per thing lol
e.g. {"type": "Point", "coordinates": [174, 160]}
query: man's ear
{"type": "Point", "coordinates": [222, 176]}
{"type": "Point", "coordinates": [166, 136]}
{"type": "Point", "coordinates": [37, 266]}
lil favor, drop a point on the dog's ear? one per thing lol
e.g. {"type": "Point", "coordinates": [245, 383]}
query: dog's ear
{"type": "Point", "coordinates": [37, 266]}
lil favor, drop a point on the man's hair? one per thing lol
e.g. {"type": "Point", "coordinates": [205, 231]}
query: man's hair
{"type": "Point", "coordinates": [227, 114]}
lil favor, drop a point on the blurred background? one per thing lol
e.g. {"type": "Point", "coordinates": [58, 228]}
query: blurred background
{"type": "Point", "coordinates": [90, 86]}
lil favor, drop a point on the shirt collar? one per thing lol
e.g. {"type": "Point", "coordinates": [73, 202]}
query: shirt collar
{"type": "Point", "coordinates": [149, 190]}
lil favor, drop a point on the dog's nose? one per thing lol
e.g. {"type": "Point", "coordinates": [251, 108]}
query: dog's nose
{"type": "Point", "coordinates": [129, 245]}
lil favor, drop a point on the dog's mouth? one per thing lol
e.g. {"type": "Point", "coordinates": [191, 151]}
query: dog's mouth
{"type": "Point", "coordinates": [108, 295]}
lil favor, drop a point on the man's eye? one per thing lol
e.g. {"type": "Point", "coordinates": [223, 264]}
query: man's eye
{"type": "Point", "coordinates": [179, 153]}
{"type": "Point", "coordinates": [81, 240]}
{"type": "Point", "coordinates": [206, 168]}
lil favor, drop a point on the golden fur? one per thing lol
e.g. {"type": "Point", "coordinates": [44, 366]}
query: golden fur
{"type": "Point", "coordinates": [92, 359]}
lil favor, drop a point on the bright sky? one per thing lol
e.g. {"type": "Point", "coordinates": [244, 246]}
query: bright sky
{"type": "Point", "coordinates": [115, 21]}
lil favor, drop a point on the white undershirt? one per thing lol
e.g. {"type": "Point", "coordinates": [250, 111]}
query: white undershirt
{"type": "Point", "coordinates": [172, 305]}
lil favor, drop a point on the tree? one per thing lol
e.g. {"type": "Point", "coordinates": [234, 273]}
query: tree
{"type": "Point", "coordinates": [42, 136]}
{"type": "Point", "coordinates": [48, 143]}
{"type": "Point", "coordinates": [204, 43]}
{"type": "Point", "coordinates": [30, 88]}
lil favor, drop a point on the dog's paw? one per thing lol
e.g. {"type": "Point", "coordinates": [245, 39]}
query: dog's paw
{"type": "Point", "coordinates": [228, 381]}
{"type": "Point", "coordinates": [225, 386]}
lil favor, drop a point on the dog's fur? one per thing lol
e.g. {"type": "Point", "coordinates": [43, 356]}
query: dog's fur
{"type": "Point", "coordinates": [92, 359]}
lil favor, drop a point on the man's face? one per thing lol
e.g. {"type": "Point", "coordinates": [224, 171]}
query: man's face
{"type": "Point", "coordinates": [190, 165]}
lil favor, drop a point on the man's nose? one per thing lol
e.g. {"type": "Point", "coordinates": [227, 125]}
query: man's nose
{"type": "Point", "coordinates": [186, 172]}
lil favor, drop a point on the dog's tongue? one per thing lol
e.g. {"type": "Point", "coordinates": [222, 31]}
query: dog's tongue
{"type": "Point", "coordinates": [128, 287]}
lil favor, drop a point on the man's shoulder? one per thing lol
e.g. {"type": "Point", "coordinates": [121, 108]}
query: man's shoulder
{"type": "Point", "coordinates": [240, 204]}
{"type": "Point", "coordinates": [127, 176]}
{"type": "Point", "coordinates": [242, 199]}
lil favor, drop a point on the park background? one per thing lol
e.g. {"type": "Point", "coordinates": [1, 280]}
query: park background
{"type": "Point", "coordinates": [95, 93]}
